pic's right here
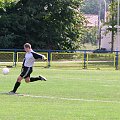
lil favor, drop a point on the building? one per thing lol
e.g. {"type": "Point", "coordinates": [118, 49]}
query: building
{"type": "Point", "coordinates": [92, 20]}
{"type": "Point", "coordinates": [106, 38]}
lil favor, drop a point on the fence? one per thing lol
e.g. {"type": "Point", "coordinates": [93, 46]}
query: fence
{"type": "Point", "coordinates": [20, 56]}
{"type": "Point", "coordinates": [80, 59]}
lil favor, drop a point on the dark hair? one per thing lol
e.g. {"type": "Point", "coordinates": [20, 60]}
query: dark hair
{"type": "Point", "coordinates": [27, 45]}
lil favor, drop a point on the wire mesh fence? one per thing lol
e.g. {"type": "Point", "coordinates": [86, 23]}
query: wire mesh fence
{"type": "Point", "coordinates": [101, 60]}
{"type": "Point", "coordinates": [6, 58]}
{"type": "Point", "coordinates": [40, 63]}
{"type": "Point", "coordinates": [65, 59]}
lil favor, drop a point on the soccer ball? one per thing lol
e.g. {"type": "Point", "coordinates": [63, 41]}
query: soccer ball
{"type": "Point", "coordinates": [5, 71]}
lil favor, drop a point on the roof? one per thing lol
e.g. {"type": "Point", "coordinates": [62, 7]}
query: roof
{"type": "Point", "coordinates": [92, 20]}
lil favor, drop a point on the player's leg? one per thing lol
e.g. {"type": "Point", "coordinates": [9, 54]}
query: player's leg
{"type": "Point", "coordinates": [27, 80]}
{"type": "Point", "coordinates": [24, 72]}
{"type": "Point", "coordinates": [33, 79]}
{"type": "Point", "coordinates": [17, 84]}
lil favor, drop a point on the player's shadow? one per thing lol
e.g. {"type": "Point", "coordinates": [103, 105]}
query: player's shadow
{"type": "Point", "coordinates": [16, 94]}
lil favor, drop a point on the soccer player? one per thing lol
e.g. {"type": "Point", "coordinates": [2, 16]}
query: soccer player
{"type": "Point", "coordinates": [27, 67]}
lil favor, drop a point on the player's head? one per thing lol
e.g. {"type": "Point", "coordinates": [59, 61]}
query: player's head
{"type": "Point", "coordinates": [27, 47]}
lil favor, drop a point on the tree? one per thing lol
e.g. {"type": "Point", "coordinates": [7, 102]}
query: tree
{"type": "Point", "coordinates": [92, 7]}
{"type": "Point", "coordinates": [47, 24]}
{"type": "Point", "coordinates": [90, 36]}
{"type": "Point", "coordinates": [112, 20]}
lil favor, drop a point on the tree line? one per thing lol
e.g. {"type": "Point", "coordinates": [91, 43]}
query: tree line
{"type": "Point", "coordinates": [46, 24]}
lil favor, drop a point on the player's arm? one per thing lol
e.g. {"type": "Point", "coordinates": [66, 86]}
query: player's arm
{"type": "Point", "coordinates": [39, 56]}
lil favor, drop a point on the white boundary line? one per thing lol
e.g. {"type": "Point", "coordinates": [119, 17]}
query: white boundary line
{"type": "Point", "coordinates": [69, 99]}
{"type": "Point", "coordinates": [63, 98]}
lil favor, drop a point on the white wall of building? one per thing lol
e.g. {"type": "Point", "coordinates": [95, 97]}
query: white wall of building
{"type": "Point", "coordinates": [106, 38]}
{"type": "Point", "coordinates": [117, 42]}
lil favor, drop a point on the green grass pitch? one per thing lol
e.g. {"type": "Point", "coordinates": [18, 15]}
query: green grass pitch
{"type": "Point", "coordinates": [67, 95]}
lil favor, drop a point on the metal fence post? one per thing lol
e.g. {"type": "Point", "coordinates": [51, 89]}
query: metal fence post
{"type": "Point", "coordinates": [116, 60]}
{"type": "Point", "coordinates": [85, 58]}
{"type": "Point", "coordinates": [49, 58]}
{"type": "Point", "coordinates": [15, 57]}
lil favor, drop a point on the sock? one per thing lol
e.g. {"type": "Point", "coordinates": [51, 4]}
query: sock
{"type": "Point", "coordinates": [33, 79]}
{"type": "Point", "coordinates": [17, 84]}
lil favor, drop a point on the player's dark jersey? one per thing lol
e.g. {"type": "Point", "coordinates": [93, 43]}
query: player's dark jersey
{"type": "Point", "coordinates": [30, 58]}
